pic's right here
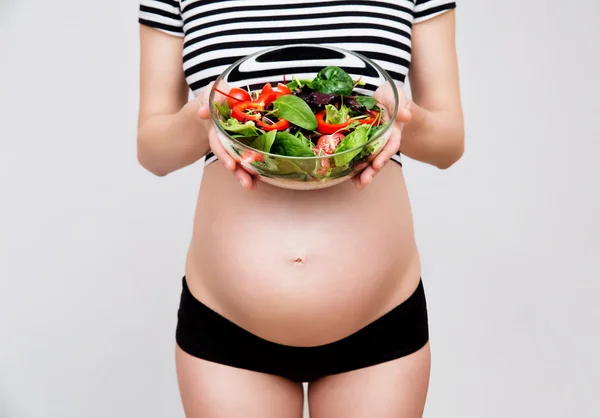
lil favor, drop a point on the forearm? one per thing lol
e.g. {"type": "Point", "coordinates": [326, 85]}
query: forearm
{"type": "Point", "coordinates": [167, 143]}
{"type": "Point", "coordinates": [433, 137]}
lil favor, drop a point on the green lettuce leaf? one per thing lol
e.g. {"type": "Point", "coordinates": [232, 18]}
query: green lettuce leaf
{"type": "Point", "coordinates": [336, 116]}
{"type": "Point", "coordinates": [298, 84]}
{"type": "Point", "coordinates": [223, 109]}
{"type": "Point", "coordinates": [247, 129]}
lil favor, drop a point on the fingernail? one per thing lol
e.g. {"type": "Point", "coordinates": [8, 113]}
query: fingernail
{"type": "Point", "coordinates": [369, 179]}
{"type": "Point", "coordinates": [242, 183]}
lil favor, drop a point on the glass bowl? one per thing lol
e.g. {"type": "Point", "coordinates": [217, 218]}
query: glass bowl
{"type": "Point", "coordinates": [302, 61]}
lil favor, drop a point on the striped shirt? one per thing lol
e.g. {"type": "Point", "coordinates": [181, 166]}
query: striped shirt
{"type": "Point", "coordinates": [219, 32]}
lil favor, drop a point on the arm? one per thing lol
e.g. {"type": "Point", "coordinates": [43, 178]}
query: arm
{"type": "Point", "coordinates": [435, 134]}
{"type": "Point", "coordinates": [171, 135]}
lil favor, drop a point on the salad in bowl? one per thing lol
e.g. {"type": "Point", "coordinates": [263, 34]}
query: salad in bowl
{"type": "Point", "coordinates": [300, 131]}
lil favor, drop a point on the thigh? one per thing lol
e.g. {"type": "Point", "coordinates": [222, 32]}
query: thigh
{"type": "Point", "coordinates": [211, 390]}
{"type": "Point", "coordinates": [395, 389]}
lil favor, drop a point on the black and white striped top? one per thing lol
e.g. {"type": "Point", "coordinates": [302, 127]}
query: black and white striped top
{"type": "Point", "coordinates": [219, 32]}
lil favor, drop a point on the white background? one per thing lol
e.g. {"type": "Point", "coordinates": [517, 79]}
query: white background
{"type": "Point", "coordinates": [92, 247]}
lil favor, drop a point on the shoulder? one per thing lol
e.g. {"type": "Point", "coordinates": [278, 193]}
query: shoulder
{"type": "Point", "coordinates": [427, 9]}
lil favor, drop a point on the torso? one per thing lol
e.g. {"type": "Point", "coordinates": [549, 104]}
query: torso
{"type": "Point", "coordinates": [300, 268]}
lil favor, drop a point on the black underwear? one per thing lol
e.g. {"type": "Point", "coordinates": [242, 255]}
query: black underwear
{"type": "Point", "coordinates": [203, 333]}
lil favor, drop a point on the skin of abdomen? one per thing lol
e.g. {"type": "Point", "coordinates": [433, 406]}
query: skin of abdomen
{"type": "Point", "coordinates": [302, 268]}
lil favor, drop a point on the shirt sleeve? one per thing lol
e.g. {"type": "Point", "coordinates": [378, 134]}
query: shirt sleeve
{"type": "Point", "coordinates": [426, 9]}
{"type": "Point", "coordinates": [164, 15]}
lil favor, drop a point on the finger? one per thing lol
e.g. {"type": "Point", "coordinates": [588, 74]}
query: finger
{"type": "Point", "coordinates": [384, 95]}
{"type": "Point", "coordinates": [205, 92]}
{"type": "Point", "coordinates": [366, 177]}
{"type": "Point", "coordinates": [244, 178]}
{"type": "Point", "coordinates": [357, 183]}
{"type": "Point", "coordinates": [219, 150]}
{"type": "Point", "coordinates": [360, 167]}
{"type": "Point", "coordinates": [388, 151]}
{"type": "Point", "coordinates": [204, 112]}
{"type": "Point", "coordinates": [222, 86]}
{"type": "Point", "coordinates": [404, 115]}
{"type": "Point", "coordinates": [204, 97]}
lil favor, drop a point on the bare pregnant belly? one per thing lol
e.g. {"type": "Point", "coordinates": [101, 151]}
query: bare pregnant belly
{"type": "Point", "coordinates": [302, 268]}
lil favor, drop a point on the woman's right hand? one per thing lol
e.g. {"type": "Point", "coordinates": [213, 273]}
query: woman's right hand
{"type": "Point", "coordinates": [203, 111]}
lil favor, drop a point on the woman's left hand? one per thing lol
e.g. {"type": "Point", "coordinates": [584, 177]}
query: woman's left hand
{"type": "Point", "coordinates": [385, 96]}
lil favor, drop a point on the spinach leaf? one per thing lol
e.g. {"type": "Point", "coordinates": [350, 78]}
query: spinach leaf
{"type": "Point", "coordinates": [223, 109]}
{"type": "Point", "coordinates": [296, 111]}
{"type": "Point", "coordinates": [246, 129]}
{"type": "Point", "coordinates": [354, 139]}
{"type": "Point", "coordinates": [291, 145]}
{"type": "Point", "coordinates": [265, 141]}
{"type": "Point", "coordinates": [367, 101]}
{"type": "Point", "coordinates": [334, 115]}
{"type": "Point", "coordinates": [333, 80]}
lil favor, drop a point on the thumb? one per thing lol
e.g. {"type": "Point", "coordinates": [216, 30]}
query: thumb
{"type": "Point", "coordinates": [385, 96]}
{"type": "Point", "coordinates": [202, 101]}
{"type": "Point", "coordinates": [203, 111]}
{"type": "Point", "coordinates": [404, 114]}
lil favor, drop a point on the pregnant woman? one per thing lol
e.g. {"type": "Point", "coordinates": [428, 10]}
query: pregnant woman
{"type": "Point", "coordinates": [283, 287]}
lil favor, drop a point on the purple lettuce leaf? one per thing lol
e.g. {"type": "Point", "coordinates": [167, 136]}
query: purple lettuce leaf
{"type": "Point", "coordinates": [354, 105]}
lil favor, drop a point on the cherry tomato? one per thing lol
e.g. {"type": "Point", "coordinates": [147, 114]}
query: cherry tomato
{"type": "Point", "coordinates": [237, 95]}
{"type": "Point", "coordinates": [322, 171]}
{"type": "Point", "coordinates": [328, 143]}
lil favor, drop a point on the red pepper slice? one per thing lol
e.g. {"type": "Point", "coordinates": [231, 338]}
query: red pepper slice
{"type": "Point", "coordinates": [269, 95]}
{"type": "Point", "coordinates": [374, 117]}
{"type": "Point", "coordinates": [329, 128]}
{"type": "Point", "coordinates": [268, 88]}
{"type": "Point", "coordinates": [283, 89]}
{"type": "Point", "coordinates": [240, 109]}
{"type": "Point", "coordinates": [277, 126]}
{"type": "Point", "coordinates": [268, 98]}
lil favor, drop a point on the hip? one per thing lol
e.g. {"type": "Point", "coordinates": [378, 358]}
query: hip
{"type": "Point", "coordinates": [203, 333]}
